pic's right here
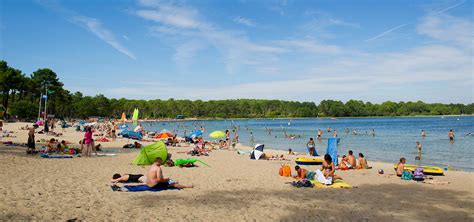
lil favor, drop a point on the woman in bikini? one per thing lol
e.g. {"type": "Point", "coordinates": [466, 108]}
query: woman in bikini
{"type": "Point", "coordinates": [328, 168]}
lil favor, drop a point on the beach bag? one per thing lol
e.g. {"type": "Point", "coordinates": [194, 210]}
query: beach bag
{"type": "Point", "coordinates": [285, 170]}
{"type": "Point", "coordinates": [406, 176]}
{"type": "Point", "coordinates": [418, 174]}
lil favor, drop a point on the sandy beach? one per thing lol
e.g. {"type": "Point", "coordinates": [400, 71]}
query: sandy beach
{"type": "Point", "coordinates": [234, 188]}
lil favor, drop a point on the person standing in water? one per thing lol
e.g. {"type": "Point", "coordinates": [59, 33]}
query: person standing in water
{"type": "Point", "coordinates": [418, 147]}
{"type": "Point", "coordinates": [334, 134]}
{"type": "Point", "coordinates": [451, 135]}
{"type": "Point", "coordinates": [320, 133]}
{"type": "Point", "coordinates": [311, 146]}
{"type": "Point", "coordinates": [373, 132]}
{"type": "Point", "coordinates": [423, 133]}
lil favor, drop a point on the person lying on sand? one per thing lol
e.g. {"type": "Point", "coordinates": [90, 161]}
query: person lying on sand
{"type": "Point", "coordinates": [128, 178]}
{"type": "Point", "coordinates": [155, 178]}
{"type": "Point", "coordinates": [362, 162]}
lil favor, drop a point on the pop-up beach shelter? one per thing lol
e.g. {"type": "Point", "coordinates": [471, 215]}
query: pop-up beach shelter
{"type": "Point", "coordinates": [332, 149]}
{"type": "Point", "coordinates": [257, 152]}
{"type": "Point", "coordinates": [149, 153]}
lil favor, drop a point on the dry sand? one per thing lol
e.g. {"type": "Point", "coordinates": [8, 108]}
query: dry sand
{"type": "Point", "coordinates": [234, 188]}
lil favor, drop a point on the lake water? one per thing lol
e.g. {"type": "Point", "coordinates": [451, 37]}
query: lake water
{"type": "Point", "coordinates": [394, 137]}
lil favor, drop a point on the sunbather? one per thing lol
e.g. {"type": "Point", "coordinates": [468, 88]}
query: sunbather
{"type": "Point", "coordinates": [401, 166]}
{"type": "Point", "coordinates": [129, 178]}
{"type": "Point", "coordinates": [351, 160]}
{"type": "Point", "coordinates": [301, 172]}
{"type": "Point", "coordinates": [155, 177]}
{"type": "Point", "coordinates": [362, 162]}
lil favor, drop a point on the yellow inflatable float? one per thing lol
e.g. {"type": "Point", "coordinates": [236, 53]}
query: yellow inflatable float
{"type": "Point", "coordinates": [308, 161]}
{"type": "Point", "coordinates": [428, 170]}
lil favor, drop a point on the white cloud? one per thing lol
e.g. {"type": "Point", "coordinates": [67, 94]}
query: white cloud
{"type": "Point", "coordinates": [236, 49]}
{"type": "Point", "coordinates": [448, 28]}
{"type": "Point", "coordinates": [244, 21]}
{"type": "Point", "coordinates": [95, 26]}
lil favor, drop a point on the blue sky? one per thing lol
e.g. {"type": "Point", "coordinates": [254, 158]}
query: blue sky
{"type": "Point", "coordinates": [293, 50]}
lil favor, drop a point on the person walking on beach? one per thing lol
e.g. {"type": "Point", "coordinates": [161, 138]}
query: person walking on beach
{"type": "Point", "coordinates": [236, 136]}
{"type": "Point", "coordinates": [451, 135]}
{"type": "Point", "coordinates": [311, 146]}
{"type": "Point", "coordinates": [227, 138]}
{"type": "Point", "coordinates": [31, 140]}
{"type": "Point", "coordinates": [87, 142]}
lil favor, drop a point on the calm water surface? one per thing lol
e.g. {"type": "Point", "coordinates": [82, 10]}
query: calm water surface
{"type": "Point", "coordinates": [394, 137]}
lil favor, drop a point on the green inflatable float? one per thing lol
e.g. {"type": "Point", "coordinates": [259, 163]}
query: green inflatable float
{"type": "Point", "coordinates": [149, 153]}
{"type": "Point", "coordinates": [183, 162]}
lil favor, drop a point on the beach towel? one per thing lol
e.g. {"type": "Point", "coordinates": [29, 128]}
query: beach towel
{"type": "Point", "coordinates": [56, 156]}
{"type": "Point", "coordinates": [140, 188]}
{"type": "Point", "coordinates": [337, 184]}
{"type": "Point", "coordinates": [319, 177]}
{"type": "Point", "coordinates": [332, 149]}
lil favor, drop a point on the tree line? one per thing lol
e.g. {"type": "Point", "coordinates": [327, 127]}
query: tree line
{"type": "Point", "coordinates": [20, 96]}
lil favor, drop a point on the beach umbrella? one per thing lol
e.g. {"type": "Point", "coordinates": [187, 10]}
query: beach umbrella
{"type": "Point", "coordinates": [195, 133]}
{"type": "Point", "coordinates": [149, 153]}
{"type": "Point", "coordinates": [164, 136]}
{"type": "Point", "coordinates": [257, 152]}
{"type": "Point", "coordinates": [217, 134]}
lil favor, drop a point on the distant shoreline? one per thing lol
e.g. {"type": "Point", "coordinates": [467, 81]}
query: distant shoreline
{"type": "Point", "coordinates": [279, 118]}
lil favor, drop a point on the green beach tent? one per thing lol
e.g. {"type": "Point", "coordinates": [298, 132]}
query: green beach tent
{"type": "Point", "coordinates": [149, 153]}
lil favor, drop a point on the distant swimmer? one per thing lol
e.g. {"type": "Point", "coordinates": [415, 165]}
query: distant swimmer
{"type": "Point", "coordinates": [354, 132]}
{"type": "Point", "coordinates": [328, 129]}
{"type": "Point", "coordinates": [418, 147]}
{"type": "Point", "coordinates": [334, 134]}
{"type": "Point", "coordinates": [451, 135]}
{"type": "Point", "coordinates": [423, 133]}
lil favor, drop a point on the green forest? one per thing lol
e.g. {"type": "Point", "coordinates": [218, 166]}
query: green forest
{"type": "Point", "coordinates": [20, 94]}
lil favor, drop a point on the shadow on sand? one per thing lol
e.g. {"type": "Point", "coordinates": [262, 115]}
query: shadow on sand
{"type": "Point", "coordinates": [388, 202]}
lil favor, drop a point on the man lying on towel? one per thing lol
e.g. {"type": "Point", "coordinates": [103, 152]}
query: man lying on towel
{"type": "Point", "coordinates": [155, 177]}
